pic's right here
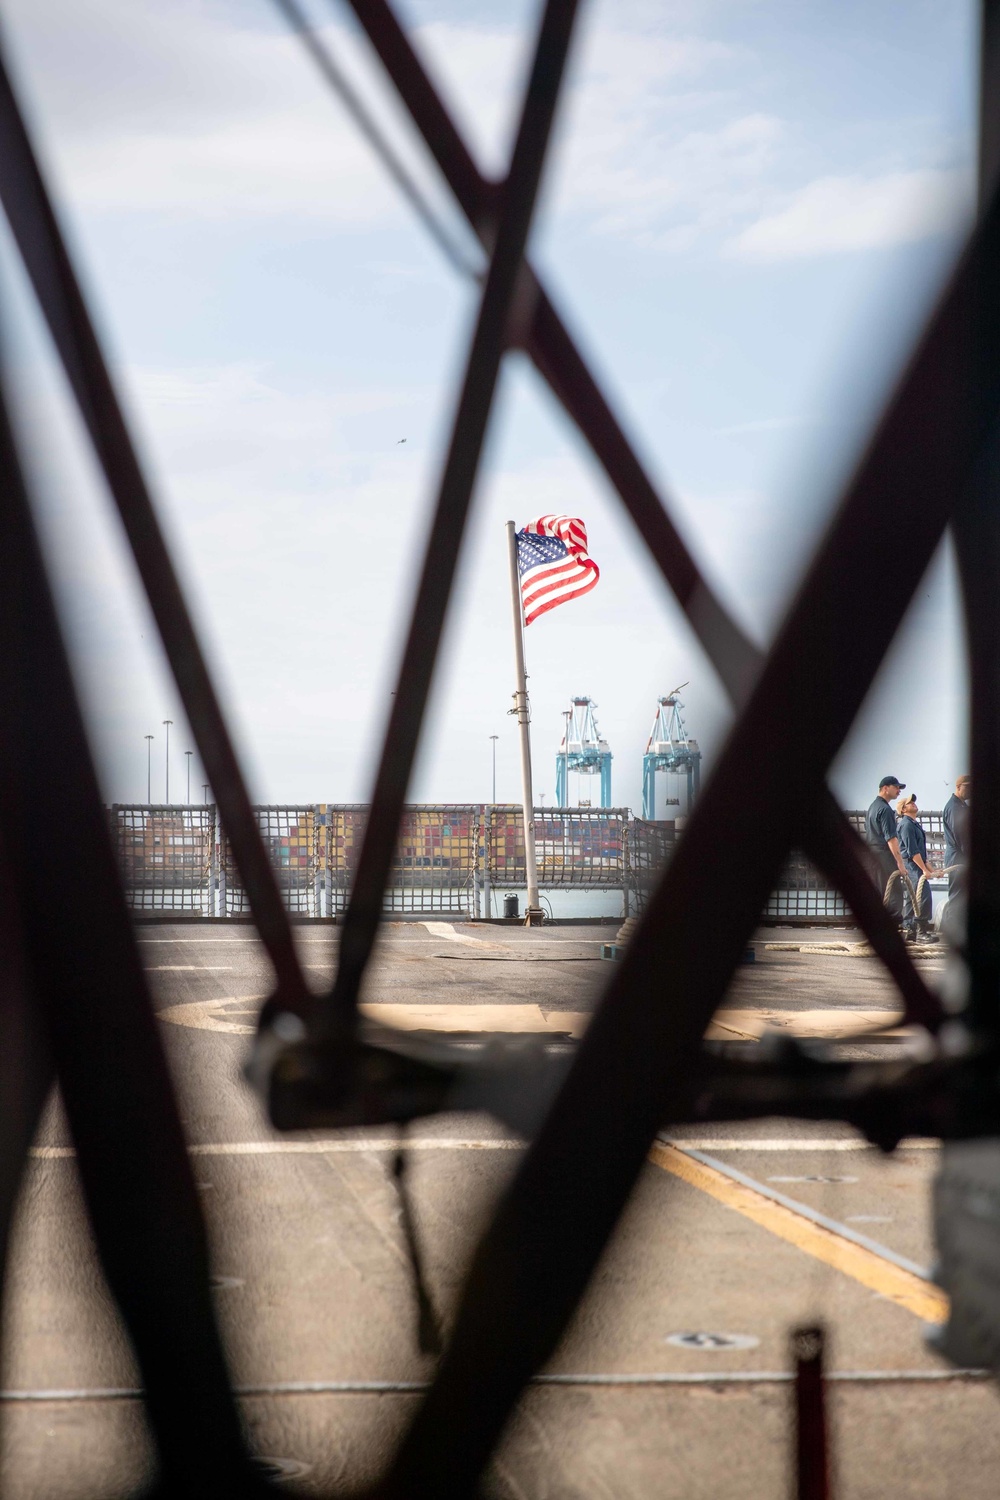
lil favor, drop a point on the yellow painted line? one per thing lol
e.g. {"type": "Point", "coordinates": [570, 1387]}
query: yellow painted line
{"type": "Point", "coordinates": [903, 1287]}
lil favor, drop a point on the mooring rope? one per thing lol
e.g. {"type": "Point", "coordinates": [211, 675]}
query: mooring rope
{"type": "Point", "coordinates": [916, 896]}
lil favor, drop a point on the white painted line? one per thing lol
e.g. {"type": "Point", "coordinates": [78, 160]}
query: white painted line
{"type": "Point", "coordinates": [189, 969]}
{"type": "Point", "coordinates": [509, 956]}
{"type": "Point", "coordinates": [406, 1387]}
{"type": "Point", "coordinates": [447, 930]}
{"type": "Point", "coordinates": [355, 1144]}
{"type": "Point", "coordinates": [344, 1144]}
{"type": "Point", "coordinates": [812, 1214]}
{"type": "Point", "coordinates": [461, 1143]}
{"type": "Point", "coordinates": [388, 944]}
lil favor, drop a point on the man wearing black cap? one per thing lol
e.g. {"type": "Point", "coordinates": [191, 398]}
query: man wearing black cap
{"type": "Point", "coordinates": [880, 832]}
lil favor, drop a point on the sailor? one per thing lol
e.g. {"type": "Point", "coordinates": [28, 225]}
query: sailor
{"type": "Point", "coordinates": [913, 848]}
{"type": "Point", "coordinates": [883, 841]}
{"type": "Point", "coordinates": [956, 833]}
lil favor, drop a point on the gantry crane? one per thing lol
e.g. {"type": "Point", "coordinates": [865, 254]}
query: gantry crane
{"type": "Point", "coordinates": [583, 750]}
{"type": "Point", "coordinates": [669, 748]}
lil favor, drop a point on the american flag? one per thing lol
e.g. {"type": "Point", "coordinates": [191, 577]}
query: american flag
{"type": "Point", "coordinates": [553, 564]}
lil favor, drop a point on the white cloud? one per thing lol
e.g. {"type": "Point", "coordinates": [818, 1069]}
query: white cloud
{"type": "Point", "coordinates": [834, 215]}
{"type": "Point", "coordinates": [181, 112]}
{"type": "Point", "coordinates": [188, 115]}
{"type": "Point", "coordinates": [662, 142]}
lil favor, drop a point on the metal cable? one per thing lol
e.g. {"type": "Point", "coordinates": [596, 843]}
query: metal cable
{"type": "Point", "coordinates": [39, 239]}
{"type": "Point", "coordinates": [86, 982]}
{"type": "Point", "coordinates": [827, 840]}
{"type": "Point", "coordinates": [637, 1063]}
{"type": "Point", "coordinates": [322, 56]}
{"type": "Point", "coordinates": [472, 414]}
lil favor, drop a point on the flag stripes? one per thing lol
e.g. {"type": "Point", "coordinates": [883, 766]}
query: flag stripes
{"type": "Point", "coordinates": [553, 564]}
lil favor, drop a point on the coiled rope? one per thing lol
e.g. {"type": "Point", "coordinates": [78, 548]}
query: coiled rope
{"type": "Point", "coordinates": [916, 896]}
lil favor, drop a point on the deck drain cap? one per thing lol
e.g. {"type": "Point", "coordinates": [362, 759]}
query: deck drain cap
{"type": "Point", "coordinates": [814, 1177]}
{"type": "Point", "coordinates": [280, 1468]}
{"type": "Point", "coordinates": [709, 1342]}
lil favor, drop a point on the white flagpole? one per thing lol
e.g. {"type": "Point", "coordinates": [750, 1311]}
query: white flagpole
{"type": "Point", "coordinates": [533, 915]}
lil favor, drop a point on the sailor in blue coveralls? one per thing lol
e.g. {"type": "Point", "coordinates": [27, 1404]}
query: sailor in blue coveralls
{"type": "Point", "coordinates": [956, 833]}
{"type": "Point", "coordinates": [913, 848]}
{"type": "Point", "coordinates": [882, 837]}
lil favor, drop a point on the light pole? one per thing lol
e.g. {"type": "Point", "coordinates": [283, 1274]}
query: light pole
{"type": "Point", "coordinates": [149, 768]}
{"type": "Point", "coordinates": [166, 724]}
{"type": "Point", "coordinates": [189, 754]}
{"type": "Point", "coordinates": [204, 791]}
{"type": "Point", "coordinates": [494, 738]}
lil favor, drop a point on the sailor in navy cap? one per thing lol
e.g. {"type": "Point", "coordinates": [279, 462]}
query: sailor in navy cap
{"type": "Point", "coordinates": [880, 833]}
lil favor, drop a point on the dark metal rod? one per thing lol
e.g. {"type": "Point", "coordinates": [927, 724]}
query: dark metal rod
{"type": "Point", "coordinates": [635, 1065]}
{"type": "Point", "coordinates": [828, 840]}
{"type": "Point", "coordinates": [36, 231]}
{"type": "Point", "coordinates": [977, 542]}
{"type": "Point", "coordinates": [475, 403]}
{"type": "Point", "coordinates": [26, 1075]}
{"type": "Point", "coordinates": [812, 1463]}
{"type": "Point", "coordinates": [85, 975]}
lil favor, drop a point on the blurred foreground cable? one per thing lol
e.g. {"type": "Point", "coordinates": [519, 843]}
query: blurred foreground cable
{"type": "Point", "coordinates": [376, 138]}
{"type": "Point", "coordinates": [39, 239]}
{"type": "Point", "coordinates": [825, 835]}
{"type": "Point", "coordinates": [454, 501]}
{"type": "Point", "coordinates": [84, 980]}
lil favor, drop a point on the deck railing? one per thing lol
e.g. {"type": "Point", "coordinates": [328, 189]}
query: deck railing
{"type": "Point", "coordinates": [451, 859]}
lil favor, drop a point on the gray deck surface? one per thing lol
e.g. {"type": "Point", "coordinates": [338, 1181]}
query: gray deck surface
{"type": "Point", "coordinates": [314, 1283]}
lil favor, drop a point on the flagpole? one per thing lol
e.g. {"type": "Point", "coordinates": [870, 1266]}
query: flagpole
{"type": "Point", "coordinates": [533, 914]}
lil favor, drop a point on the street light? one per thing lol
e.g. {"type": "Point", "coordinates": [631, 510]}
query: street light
{"type": "Point", "coordinates": [166, 724]}
{"type": "Point", "coordinates": [204, 790]}
{"type": "Point", "coordinates": [189, 754]}
{"type": "Point", "coordinates": [494, 738]}
{"type": "Point", "coordinates": [149, 768]}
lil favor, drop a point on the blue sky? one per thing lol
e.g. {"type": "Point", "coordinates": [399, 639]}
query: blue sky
{"type": "Point", "coordinates": [747, 211]}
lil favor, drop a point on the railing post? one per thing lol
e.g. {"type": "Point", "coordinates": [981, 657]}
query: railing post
{"type": "Point", "coordinates": [476, 872]}
{"type": "Point", "coordinates": [487, 831]}
{"type": "Point", "coordinates": [319, 821]}
{"type": "Point", "coordinates": [625, 866]}
{"type": "Point", "coordinates": [223, 893]}
{"type": "Point", "coordinates": [213, 863]}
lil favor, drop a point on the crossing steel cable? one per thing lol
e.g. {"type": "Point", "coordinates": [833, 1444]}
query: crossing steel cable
{"type": "Point", "coordinates": [39, 239]}
{"type": "Point", "coordinates": [335, 76]}
{"type": "Point", "coordinates": [976, 529]}
{"type": "Point", "coordinates": [472, 413]}
{"type": "Point", "coordinates": [637, 1064]}
{"type": "Point", "coordinates": [826, 838]}
{"type": "Point", "coordinates": [87, 988]}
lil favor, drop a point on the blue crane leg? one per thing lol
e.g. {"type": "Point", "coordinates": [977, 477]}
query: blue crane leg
{"type": "Point", "coordinates": [649, 787]}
